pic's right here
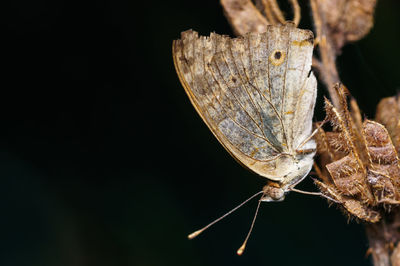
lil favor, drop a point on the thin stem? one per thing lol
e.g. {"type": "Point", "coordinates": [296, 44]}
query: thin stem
{"type": "Point", "coordinates": [277, 11]}
{"type": "Point", "coordinates": [327, 68]}
{"type": "Point", "coordinates": [296, 12]}
{"type": "Point", "coordinates": [268, 12]}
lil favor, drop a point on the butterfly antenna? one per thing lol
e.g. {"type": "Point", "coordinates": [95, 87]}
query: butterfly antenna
{"type": "Point", "coordinates": [243, 246]}
{"type": "Point", "coordinates": [198, 232]}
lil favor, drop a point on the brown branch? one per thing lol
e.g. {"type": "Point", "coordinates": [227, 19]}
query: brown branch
{"type": "Point", "coordinates": [383, 239]}
{"type": "Point", "coordinates": [327, 52]}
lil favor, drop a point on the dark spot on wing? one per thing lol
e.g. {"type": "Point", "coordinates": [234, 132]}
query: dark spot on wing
{"type": "Point", "coordinates": [310, 39]}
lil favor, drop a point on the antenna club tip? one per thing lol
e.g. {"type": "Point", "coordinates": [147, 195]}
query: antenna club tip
{"type": "Point", "coordinates": [194, 234]}
{"type": "Point", "coordinates": [241, 250]}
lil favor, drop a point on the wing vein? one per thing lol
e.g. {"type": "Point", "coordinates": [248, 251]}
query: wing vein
{"type": "Point", "coordinates": [233, 120]}
{"type": "Point", "coordinates": [302, 86]}
{"type": "Point", "coordinates": [257, 109]}
{"type": "Point", "coordinates": [252, 69]}
{"type": "Point", "coordinates": [262, 96]}
{"type": "Point", "coordinates": [260, 93]}
{"type": "Point", "coordinates": [270, 87]}
{"type": "Point", "coordinates": [284, 85]}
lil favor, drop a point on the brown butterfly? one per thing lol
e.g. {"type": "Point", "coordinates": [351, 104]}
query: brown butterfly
{"type": "Point", "coordinates": [256, 93]}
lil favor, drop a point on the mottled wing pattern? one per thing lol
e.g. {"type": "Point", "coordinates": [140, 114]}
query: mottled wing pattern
{"type": "Point", "coordinates": [255, 93]}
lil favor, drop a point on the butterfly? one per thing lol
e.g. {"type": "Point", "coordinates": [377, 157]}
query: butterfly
{"type": "Point", "coordinates": [256, 93]}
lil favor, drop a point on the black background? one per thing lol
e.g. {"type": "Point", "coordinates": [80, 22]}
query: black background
{"type": "Point", "coordinates": [103, 160]}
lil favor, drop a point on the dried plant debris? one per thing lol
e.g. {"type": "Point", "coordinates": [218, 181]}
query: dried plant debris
{"type": "Point", "coordinates": [358, 164]}
{"type": "Point", "coordinates": [271, 10]}
{"type": "Point", "coordinates": [388, 114]}
{"type": "Point", "coordinates": [245, 17]}
{"type": "Point", "coordinates": [347, 20]}
{"type": "Point", "coordinates": [338, 22]}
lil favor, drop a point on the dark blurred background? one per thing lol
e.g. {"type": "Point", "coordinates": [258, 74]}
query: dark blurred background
{"type": "Point", "coordinates": [103, 160]}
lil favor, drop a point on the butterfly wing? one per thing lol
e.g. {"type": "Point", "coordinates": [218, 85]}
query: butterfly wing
{"type": "Point", "coordinates": [250, 90]}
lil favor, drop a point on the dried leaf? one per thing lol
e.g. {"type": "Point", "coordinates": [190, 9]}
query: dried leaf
{"type": "Point", "coordinates": [244, 17]}
{"type": "Point", "coordinates": [388, 114]}
{"type": "Point", "coordinates": [361, 211]}
{"type": "Point", "coordinates": [347, 20]}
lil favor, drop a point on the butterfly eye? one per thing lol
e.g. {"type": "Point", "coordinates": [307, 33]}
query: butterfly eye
{"type": "Point", "coordinates": [277, 57]}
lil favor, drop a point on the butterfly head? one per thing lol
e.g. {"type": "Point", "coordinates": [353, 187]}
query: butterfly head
{"type": "Point", "coordinates": [273, 192]}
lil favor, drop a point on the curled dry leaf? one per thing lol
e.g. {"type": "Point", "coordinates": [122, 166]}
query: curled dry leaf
{"type": "Point", "coordinates": [358, 164]}
{"type": "Point", "coordinates": [347, 20]}
{"type": "Point", "coordinates": [388, 114]}
{"type": "Point", "coordinates": [246, 17]}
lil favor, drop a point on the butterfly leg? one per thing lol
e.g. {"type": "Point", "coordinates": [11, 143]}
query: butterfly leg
{"type": "Point", "coordinates": [313, 193]}
{"type": "Point", "coordinates": [292, 188]}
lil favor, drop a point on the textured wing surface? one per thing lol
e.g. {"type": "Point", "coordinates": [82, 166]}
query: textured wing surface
{"type": "Point", "coordinates": [299, 87]}
{"type": "Point", "coordinates": [249, 90]}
